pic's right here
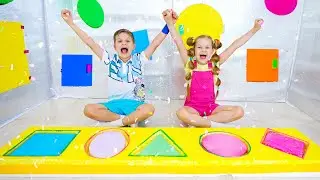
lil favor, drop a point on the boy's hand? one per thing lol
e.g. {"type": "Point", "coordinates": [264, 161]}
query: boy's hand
{"type": "Point", "coordinates": [168, 16]}
{"type": "Point", "coordinates": [67, 16]}
{"type": "Point", "coordinates": [257, 24]}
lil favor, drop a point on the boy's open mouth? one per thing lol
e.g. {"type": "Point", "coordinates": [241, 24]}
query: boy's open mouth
{"type": "Point", "coordinates": [124, 50]}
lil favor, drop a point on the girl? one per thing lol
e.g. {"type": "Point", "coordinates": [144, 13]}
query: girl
{"type": "Point", "coordinates": [202, 67]}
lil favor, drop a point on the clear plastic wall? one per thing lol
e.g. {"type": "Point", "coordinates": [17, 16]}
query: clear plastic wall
{"type": "Point", "coordinates": [164, 74]}
{"type": "Point", "coordinates": [48, 37]}
{"type": "Point", "coordinates": [32, 17]}
{"type": "Point", "coordinates": [304, 91]}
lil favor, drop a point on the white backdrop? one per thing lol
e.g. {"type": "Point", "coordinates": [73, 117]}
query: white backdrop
{"type": "Point", "coordinates": [164, 75]}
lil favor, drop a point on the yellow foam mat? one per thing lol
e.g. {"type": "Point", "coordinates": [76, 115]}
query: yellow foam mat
{"type": "Point", "coordinates": [14, 67]}
{"type": "Point", "coordinates": [193, 160]}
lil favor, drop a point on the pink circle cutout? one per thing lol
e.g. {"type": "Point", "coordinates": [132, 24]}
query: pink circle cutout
{"type": "Point", "coordinates": [281, 7]}
{"type": "Point", "coordinates": [107, 144]}
{"type": "Point", "coordinates": [224, 144]}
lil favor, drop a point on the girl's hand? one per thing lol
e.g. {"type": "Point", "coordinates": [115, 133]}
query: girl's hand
{"type": "Point", "coordinates": [174, 16]}
{"type": "Point", "coordinates": [168, 16]}
{"type": "Point", "coordinates": [257, 24]}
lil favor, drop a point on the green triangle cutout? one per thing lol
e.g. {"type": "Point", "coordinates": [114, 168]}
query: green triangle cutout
{"type": "Point", "coordinates": [159, 144]}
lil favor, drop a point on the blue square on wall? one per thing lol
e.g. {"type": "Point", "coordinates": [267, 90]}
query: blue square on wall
{"type": "Point", "coordinates": [76, 70]}
{"type": "Point", "coordinates": [142, 40]}
{"type": "Point", "coordinates": [44, 143]}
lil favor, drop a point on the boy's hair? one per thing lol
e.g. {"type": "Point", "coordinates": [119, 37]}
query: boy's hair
{"type": "Point", "coordinates": [123, 31]}
{"type": "Point", "coordinates": [216, 44]}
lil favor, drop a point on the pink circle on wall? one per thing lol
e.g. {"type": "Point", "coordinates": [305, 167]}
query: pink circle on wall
{"type": "Point", "coordinates": [281, 7]}
{"type": "Point", "coordinates": [224, 144]}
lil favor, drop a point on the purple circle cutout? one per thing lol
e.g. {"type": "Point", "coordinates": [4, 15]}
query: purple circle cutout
{"type": "Point", "coordinates": [107, 144]}
{"type": "Point", "coordinates": [224, 144]}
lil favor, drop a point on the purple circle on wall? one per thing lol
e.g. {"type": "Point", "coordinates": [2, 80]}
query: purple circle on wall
{"type": "Point", "coordinates": [281, 7]}
{"type": "Point", "coordinates": [224, 144]}
{"type": "Point", "coordinates": [107, 144]}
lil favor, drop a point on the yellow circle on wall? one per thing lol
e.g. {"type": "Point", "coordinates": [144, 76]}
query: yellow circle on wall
{"type": "Point", "coordinates": [199, 19]}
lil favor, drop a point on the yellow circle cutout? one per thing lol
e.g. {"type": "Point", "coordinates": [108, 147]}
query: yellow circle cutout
{"type": "Point", "coordinates": [199, 19]}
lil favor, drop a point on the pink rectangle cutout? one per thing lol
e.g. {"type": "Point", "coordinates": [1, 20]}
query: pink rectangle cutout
{"type": "Point", "coordinates": [285, 143]}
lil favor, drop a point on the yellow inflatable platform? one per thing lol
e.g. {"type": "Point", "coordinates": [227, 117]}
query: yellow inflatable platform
{"type": "Point", "coordinates": [95, 150]}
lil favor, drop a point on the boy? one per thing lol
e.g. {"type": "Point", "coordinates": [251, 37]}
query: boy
{"type": "Point", "coordinates": [125, 105]}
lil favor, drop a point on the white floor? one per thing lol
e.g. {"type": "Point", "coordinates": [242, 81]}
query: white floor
{"type": "Point", "coordinates": [69, 112]}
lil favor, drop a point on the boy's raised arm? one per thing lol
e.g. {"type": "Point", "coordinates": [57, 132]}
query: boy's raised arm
{"type": "Point", "coordinates": [177, 39]}
{"type": "Point", "coordinates": [67, 16]}
{"type": "Point", "coordinates": [160, 37]}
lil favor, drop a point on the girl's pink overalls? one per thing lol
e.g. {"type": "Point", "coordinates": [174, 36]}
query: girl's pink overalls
{"type": "Point", "coordinates": [201, 93]}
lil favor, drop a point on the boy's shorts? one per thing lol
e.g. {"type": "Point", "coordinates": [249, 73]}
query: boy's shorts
{"type": "Point", "coordinates": [122, 106]}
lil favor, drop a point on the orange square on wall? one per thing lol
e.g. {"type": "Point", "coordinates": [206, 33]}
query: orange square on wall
{"type": "Point", "coordinates": [262, 65]}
